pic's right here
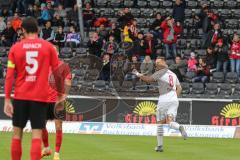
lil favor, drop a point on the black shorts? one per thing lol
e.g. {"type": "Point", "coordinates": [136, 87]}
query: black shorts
{"type": "Point", "coordinates": [50, 111]}
{"type": "Point", "coordinates": [24, 110]}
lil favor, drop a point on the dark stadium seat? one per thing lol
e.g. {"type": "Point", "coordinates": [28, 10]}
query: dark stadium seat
{"type": "Point", "coordinates": [225, 89]}
{"type": "Point", "coordinates": [3, 51]}
{"type": "Point", "coordinates": [101, 3]}
{"type": "Point", "coordinates": [142, 3]}
{"type": "Point", "coordinates": [135, 12]}
{"type": "Point", "coordinates": [114, 3]}
{"type": "Point", "coordinates": [230, 4]}
{"type": "Point", "coordinates": [167, 4]}
{"type": "Point", "coordinates": [231, 77]}
{"type": "Point", "coordinates": [128, 3]}
{"type": "Point", "coordinates": [99, 85]}
{"type": "Point", "coordinates": [182, 44]}
{"type": "Point", "coordinates": [218, 77]}
{"type": "Point", "coordinates": [154, 4]}
{"type": "Point", "coordinates": [211, 89]}
{"type": "Point", "coordinates": [197, 88]}
{"type": "Point", "coordinates": [66, 52]}
{"type": "Point", "coordinates": [217, 4]}
{"type": "Point", "coordinates": [236, 91]}
{"type": "Point", "coordinates": [192, 4]}
{"type": "Point", "coordinates": [81, 51]}
{"type": "Point", "coordinates": [185, 88]}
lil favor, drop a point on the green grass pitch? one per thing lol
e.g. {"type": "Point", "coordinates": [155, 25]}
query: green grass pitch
{"type": "Point", "coordinates": [104, 147]}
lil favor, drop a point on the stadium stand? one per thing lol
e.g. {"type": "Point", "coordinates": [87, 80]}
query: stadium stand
{"type": "Point", "coordinates": [198, 31]}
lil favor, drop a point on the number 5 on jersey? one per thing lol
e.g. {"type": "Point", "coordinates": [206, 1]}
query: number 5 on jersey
{"type": "Point", "coordinates": [32, 62]}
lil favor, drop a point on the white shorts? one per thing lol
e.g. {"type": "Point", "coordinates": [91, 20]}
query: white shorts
{"type": "Point", "coordinates": [165, 109]}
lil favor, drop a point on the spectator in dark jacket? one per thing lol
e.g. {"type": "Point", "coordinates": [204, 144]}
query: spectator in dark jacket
{"type": "Point", "coordinates": [221, 50]}
{"type": "Point", "coordinates": [170, 33]}
{"type": "Point", "coordinates": [59, 37]}
{"type": "Point", "coordinates": [95, 45]}
{"type": "Point", "coordinates": [88, 16]}
{"type": "Point", "coordinates": [129, 66]}
{"type": "Point", "coordinates": [155, 28]}
{"type": "Point", "coordinates": [58, 21]}
{"type": "Point", "coordinates": [125, 16]}
{"type": "Point", "coordinates": [47, 33]}
{"type": "Point", "coordinates": [105, 72]}
{"type": "Point", "coordinates": [114, 31]}
{"type": "Point", "coordinates": [179, 68]}
{"type": "Point", "coordinates": [202, 73]}
{"type": "Point", "coordinates": [179, 11]}
{"type": "Point", "coordinates": [205, 22]}
{"type": "Point", "coordinates": [7, 35]}
{"type": "Point", "coordinates": [211, 58]}
{"type": "Point", "coordinates": [140, 46]}
{"type": "Point", "coordinates": [72, 15]}
{"type": "Point", "coordinates": [213, 36]}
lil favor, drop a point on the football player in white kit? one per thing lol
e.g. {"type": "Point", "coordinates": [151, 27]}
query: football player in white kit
{"type": "Point", "coordinates": [169, 90]}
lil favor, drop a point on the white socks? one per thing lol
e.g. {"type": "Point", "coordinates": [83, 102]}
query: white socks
{"type": "Point", "coordinates": [174, 125]}
{"type": "Point", "coordinates": [160, 135]}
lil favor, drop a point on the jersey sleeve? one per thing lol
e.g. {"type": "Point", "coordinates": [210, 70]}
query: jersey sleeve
{"type": "Point", "coordinates": [157, 75]}
{"type": "Point", "coordinates": [10, 73]}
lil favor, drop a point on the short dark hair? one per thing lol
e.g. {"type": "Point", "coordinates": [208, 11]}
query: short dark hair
{"type": "Point", "coordinates": [30, 24]}
{"type": "Point", "coordinates": [162, 58]}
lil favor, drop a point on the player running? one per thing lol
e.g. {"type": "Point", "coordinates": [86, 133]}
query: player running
{"type": "Point", "coordinates": [28, 61]}
{"type": "Point", "coordinates": [65, 72]}
{"type": "Point", "coordinates": [169, 90]}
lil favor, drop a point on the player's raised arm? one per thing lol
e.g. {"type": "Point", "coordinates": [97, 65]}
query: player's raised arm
{"type": "Point", "coordinates": [147, 79]}
{"type": "Point", "coordinates": [8, 109]}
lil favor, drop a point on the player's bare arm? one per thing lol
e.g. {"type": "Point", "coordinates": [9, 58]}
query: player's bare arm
{"type": "Point", "coordinates": [147, 79]}
{"type": "Point", "coordinates": [178, 90]}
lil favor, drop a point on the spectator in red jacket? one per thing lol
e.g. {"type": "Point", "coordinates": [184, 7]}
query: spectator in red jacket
{"type": "Point", "coordinates": [170, 33]}
{"type": "Point", "coordinates": [202, 73]}
{"type": "Point", "coordinates": [235, 54]}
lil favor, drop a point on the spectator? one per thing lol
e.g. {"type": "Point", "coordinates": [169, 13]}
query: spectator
{"type": "Point", "coordinates": [192, 63]}
{"type": "Point", "coordinates": [60, 12]}
{"type": "Point", "coordinates": [170, 33]}
{"type": "Point", "coordinates": [45, 15]}
{"type": "Point", "coordinates": [155, 26]}
{"type": "Point", "coordinates": [2, 24]}
{"type": "Point", "coordinates": [47, 33]}
{"type": "Point", "coordinates": [58, 21]}
{"type": "Point", "coordinates": [193, 24]}
{"type": "Point", "coordinates": [21, 6]}
{"type": "Point", "coordinates": [140, 46]}
{"type": "Point", "coordinates": [50, 10]}
{"type": "Point", "coordinates": [147, 66]}
{"type": "Point", "coordinates": [73, 38]}
{"type": "Point", "coordinates": [202, 73]}
{"type": "Point", "coordinates": [235, 54]}
{"type": "Point", "coordinates": [221, 50]}
{"type": "Point", "coordinates": [36, 11]}
{"type": "Point", "coordinates": [129, 66]}
{"type": "Point", "coordinates": [127, 34]}
{"type": "Point", "coordinates": [114, 31]}
{"type": "Point", "coordinates": [16, 22]}
{"type": "Point", "coordinates": [179, 11]}
{"type": "Point", "coordinates": [111, 46]}
{"type": "Point", "coordinates": [213, 36]}
{"type": "Point", "coordinates": [60, 37]}
{"type": "Point", "coordinates": [105, 72]}
{"type": "Point", "coordinates": [6, 12]}
{"type": "Point", "coordinates": [7, 35]}
{"type": "Point", "coordinates": [102, 32]}
{"type": "Point", "coordinates": [150, 45]}
{"type": "Point", "coordinates": [72, 15]}
{"type": "Point", "coordinates": [133, 30]}
{"type": "Point", "coordinates": [30, 11]}
{"type": "Point", "coordinates": [205, 22]}
{"type": "Point", "coordinates": [95, 45]}
{"type": "Point", "coordinates": [179, 68]}
{"type": "Point", "coordinates": [211, 58]}
{"type": "Point", "coordinates": [19, 35]}
{"type": "Point", "coordinates": [88, 16]}
{"type": "Point", "coordinates": [125, 17]}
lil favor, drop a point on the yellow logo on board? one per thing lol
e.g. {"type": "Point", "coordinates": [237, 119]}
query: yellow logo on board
{"type": "Point", "coordinates": [145, 108]}
{"type": "Point", "coordinates": [231, 111]}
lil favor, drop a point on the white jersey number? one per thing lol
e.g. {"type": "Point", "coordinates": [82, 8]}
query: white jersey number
{"type": "Point", "coordinates": [32, 62]}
